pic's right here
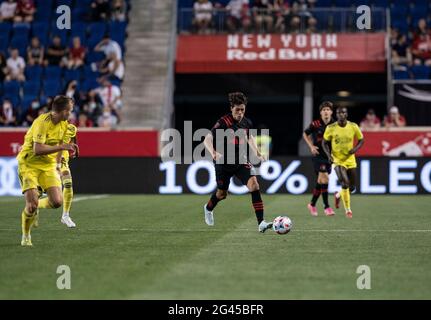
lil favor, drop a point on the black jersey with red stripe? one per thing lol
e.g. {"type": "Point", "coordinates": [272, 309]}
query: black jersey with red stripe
{"type": "Point", "coordinates": [316, 129]}
{"type": "Point", "coordinates": [238, 138]}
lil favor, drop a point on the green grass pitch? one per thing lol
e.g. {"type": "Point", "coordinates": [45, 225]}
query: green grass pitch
{"type": "Point", "coordinates": [158, 247]}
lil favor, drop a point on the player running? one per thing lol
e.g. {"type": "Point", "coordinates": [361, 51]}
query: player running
{"type": "Point", "coordinates": [313, 136]}
{"type": "Point", "coordinates": [37, 162]}
{"type": "Point", "coordinates": [66, 176]}
{"type": "Point", "coordinates": [340, 135]}
{"type": "Point", "coordinates": [227, 166]}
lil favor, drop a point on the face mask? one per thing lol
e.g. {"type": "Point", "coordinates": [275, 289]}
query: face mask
{"type": "Point", "coordinates": [92, 106]}
{"type": "Point", "coordinates": [106, 114]}
{"type": "Point", "coordinates": [35, 105]}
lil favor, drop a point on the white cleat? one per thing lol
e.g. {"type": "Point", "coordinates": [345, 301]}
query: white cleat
{"type": "Point", "coordinates": [209, 217]}
{"type": "Point", "coordinates": [263, 226]}
{"type": "Point", "coordinates": [68, 222]}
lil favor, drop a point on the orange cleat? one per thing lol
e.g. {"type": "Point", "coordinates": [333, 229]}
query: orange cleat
{"type": "Point", "coordinates": [329, 212]}
{"type": "Point", "coordinates": [349, 214]}
{"type": "Point", "coordinates": [312, 209]}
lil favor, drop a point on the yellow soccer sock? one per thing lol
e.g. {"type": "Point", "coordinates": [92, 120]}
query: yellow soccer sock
{"type": "Point", "coordinates": [26, 223]}
{"type": "Point", "coordinates": [45, 204]}
{"type": "Point", "coordinates": [67, 195]}
{"type": "Point", "coordinates": [345, 196]}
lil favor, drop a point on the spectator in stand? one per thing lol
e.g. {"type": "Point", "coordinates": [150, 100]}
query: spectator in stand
{"type": "Point", "coordinates": [394, 119]}
{"type": "Point", "coordinates": [76, 54]}
{"type": "Point", "coordinates": [56, 53]}
{"type": "Point", "coordinates": [101, 10]}
{"type": "Point", "coordinates": [107, 119]}
{"type": "Point", "coordinates": [292, 19]}
{"type": "Point", "coordinates": [371, 121]}
{"type": "Point", "coordinates": [262, 13]}
{"type": "Point", "coordinates": [238, 18]}
{"type": "Point", "coordinates": [8, 11]}
{"type": "Point", "coordinates": [281, 9]}
{"type": "Point", "coordinates": [84, 121]}
{"type": "Point", "coordinates": [203, 16]}
{"type": "Point", "coordinates": [394, 37]}
{"type": "Point", "coordinates": [110, 95]}
{"type": "Point", "coordinates": [35, 52]}
{"type": "Point", "coordinates": [421, 30]}
{"type": "Point", "coordinates": [113, 68]}
{"type": "Point", "coordinates": [401, 53]}
{"type": "Point", "coordinates": [25, 11]}
{"type": "Point", "coordinates": [92, 106]}
{"type": "Point", "coordinates": [107, 45]}
{"type": "Point", "coordinates": [4, 71]}
{"type": "Point", "coordinates": [421, 50]}
{"type": "Point", "coordinates": [311, 25]}
{"type": "Point", "coordinates": [16, 66]}
{"type": "Point", "coordinates": [7, 114]}
{"type": "Point", "coordinates": [32, 113]}
{"type": "Point", "coordinates": [119, 10]}
{"type": "Point", "coordinates": [71, 91]}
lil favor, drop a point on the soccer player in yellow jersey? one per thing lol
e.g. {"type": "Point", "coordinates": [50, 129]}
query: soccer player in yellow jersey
{"type": "Point", "coordinates": [37, 162]}
{"type": "Point", "coordinates": [341, 136]}
{"type": "Point", "coordinates": [66, 176]}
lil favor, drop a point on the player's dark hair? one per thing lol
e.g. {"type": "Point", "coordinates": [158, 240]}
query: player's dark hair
{"type": "Point", "coordinates": [237, 98]}
{"type": "Point", "coordinates": [326, 104]}
{"type": "Point", "coordinates": [60, 103]}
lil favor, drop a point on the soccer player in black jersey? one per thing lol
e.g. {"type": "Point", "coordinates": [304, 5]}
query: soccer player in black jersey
{"type": "Point", "coordinates": [313, 136]}
{"type": "Point", "coordinates": [231, 132]}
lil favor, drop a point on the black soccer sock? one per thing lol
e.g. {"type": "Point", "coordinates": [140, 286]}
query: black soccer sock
{"type": "Point", "coordinates": [213, 202]}
{"type": "Point", "coordinates": [256, 199]}
{"type": "Point", "coordinates": [316, 194]}
{"type": "Point", "coordinates": [324, 191]}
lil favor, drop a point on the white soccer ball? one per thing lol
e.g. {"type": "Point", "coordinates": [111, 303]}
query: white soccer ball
{"type": "Point", "coordinates": [282, 225]}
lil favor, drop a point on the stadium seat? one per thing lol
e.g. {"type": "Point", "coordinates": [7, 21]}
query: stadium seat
{"type": "Point", "coordinates": [72, 74]}
{"type": "Point", "coordinates": [31, 88]}
{"type": "Point", "coordinates": [27, 101]}
{"type": "Point", "coordinates": [64, 2]}
{"type": "Point", "coordinates": [90, 84]}
{"type": "Point", "coordinates": [420, 72]}
{"type": "Point", "coordinates": [33, 72]}
{"type": "Point", "coordinates": [94, 56]}
{"type": "Point", "coordinates": [12, 88]}
{"type": "Point", "coordinates": [381, 3]}
{"type": "Point", "coordinates": [52, 73]}
{"type": "Point", "coordinates": [52, 88]}
{"type": "Point", "coordinates": [5, 29]}
{"type": "Point", "coordinates": [342, 3]}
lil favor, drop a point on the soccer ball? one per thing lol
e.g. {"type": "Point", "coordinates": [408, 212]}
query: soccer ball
{"type": "Point", "coordinates": [282, 225]}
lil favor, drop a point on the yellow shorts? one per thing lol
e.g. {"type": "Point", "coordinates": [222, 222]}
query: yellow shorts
{"type": "Point", "coordinates": [31, 178]}
{"type": "Point", "coordinates": [348, 165]}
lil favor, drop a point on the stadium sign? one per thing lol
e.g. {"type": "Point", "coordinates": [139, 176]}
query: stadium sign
{"type": "Point", "coordinates": [348, 52]}
{"type": "Point", "coordinates": [277, 176]}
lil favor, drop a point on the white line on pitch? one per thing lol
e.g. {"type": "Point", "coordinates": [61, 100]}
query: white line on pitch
{"type": "Point", "coordinates": [101, 196]}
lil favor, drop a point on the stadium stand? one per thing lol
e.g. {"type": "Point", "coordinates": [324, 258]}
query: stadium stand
{"type": "Point", "coordinates": [405, 16]}
{"type": "Point", "coordinates": [53, 75]}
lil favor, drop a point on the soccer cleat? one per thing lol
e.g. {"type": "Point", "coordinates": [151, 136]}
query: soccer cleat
{"type": "Point", "coordinates": [209, 217]}
{"type": "Point", "coordinates": [26, 241]}
{"type": "Point", "coordinates": [312, 209]}
{"type": "Point", "coordinates": [329, 212]}
{"type": "Point", "coordinates": [263, 226]}
{"type": "Point", "coordinates": [349, 214]}
{"type": "Point", "coordinates": [337, 198]}
{"type": "Point", "coordinates": [68, 222]}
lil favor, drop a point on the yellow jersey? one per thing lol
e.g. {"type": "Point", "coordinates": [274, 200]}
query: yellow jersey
{"type": "Point", "coordinates": [43, 131]}
{"type": "Point", "coordinates": [68, 136]}
{"type": "Point", "coordinates": [342, 139]}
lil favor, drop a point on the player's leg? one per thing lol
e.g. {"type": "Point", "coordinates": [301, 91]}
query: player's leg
{"type": "Point", "coordinates": [345, 192]}
{"type": "Point", "coordinates": [28, 215]}
{"type": "Point", "coordinates": [51, 183]}
{"type": "Point", "coordinates": [66, 179]}
{"type": "Point", "coordinates": [351, 173]}
{"type": "Point", "coordinates": [223, 181]}
{"type": "Point", "coordinates": [324, 182]}
{"type": "Point", "coordinates": [247, 175]}
{"type": "Point", "coordinates": [316, 191]}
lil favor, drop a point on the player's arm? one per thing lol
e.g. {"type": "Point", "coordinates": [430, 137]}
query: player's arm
{"type": "Point", "coordinates": [313, 149]}
{"type": "Point", "coordinates": [208, 143]}
{"type": "Point", "coordinates": [360, 137]}
{"type": "Point", "coordinates": [325, 146]}
{"type": "Point", "coordinates": [253, 145]}
{"type": "Point", "coordinates": [41, 149]}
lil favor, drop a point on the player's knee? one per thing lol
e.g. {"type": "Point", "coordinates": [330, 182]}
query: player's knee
{"type": "Point", "coordinates": [253, 186]}
{"type": "Point", "coordinates": [221, 194]}
{"type": "Point", "coordinates": [32, 207]}
{"type": "Point", "coordinates": [345, 185]}
{"type": "Point", "coordinates": [57, 202]}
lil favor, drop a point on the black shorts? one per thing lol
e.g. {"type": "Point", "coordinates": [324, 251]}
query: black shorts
{"type": "Point", "coordinates": [321, 165]}
{"type": "Point", "coordinates": [225, 172]}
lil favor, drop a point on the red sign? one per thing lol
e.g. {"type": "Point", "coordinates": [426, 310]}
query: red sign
{"type": "Point", "coordinates": [397, 143]}
{"type": "Point", "coordinates": [95, 143]}
{"type": "Point", "coordinates": [349, 52]}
